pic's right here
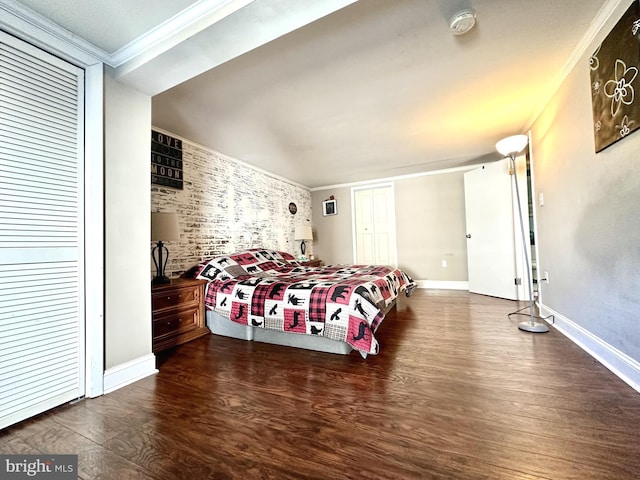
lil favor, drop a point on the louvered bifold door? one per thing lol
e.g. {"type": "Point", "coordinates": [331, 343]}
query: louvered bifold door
{"type": "Point", "coordinates": [41, 231]}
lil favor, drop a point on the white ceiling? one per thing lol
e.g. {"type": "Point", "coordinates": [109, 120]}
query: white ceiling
{"type": "Point", "coordinates": [335, 91]}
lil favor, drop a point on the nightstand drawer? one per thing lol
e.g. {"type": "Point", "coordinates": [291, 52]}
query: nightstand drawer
{"type": "Point", "coordinates": [175, 297]}
{"type": "Point", "coordinates": [176, 322]}
{"type": "Point", "coordinates": [177, 312]}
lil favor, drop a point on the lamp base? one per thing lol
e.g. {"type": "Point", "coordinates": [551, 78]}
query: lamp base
{"type": "Point", "coordinates": [535, 327]}
{"type": "Point", "coordinates": [160, 280]}
{"type": "Point", "coordinates": [532, 325]}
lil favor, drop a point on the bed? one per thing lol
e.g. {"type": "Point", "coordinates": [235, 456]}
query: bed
{"type": "Point", "coordinates": [267, 296]}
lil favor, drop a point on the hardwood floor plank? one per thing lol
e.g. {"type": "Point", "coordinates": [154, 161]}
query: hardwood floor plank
{"type": "Point", "coordinates": [94, 426]}
{"type": "Point", "coordinates": [94, 461]}
{"type": "Point", "coordinates": [31, 426]}
{"type": "Point", "coordinates": [16, 446]}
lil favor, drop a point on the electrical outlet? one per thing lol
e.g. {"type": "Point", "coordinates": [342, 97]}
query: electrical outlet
{"type": "Point", "coordinates": [545, 277]}
{"type": "Point", "coordinates": [444, 264]}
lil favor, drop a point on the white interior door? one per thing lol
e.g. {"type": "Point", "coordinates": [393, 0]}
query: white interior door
{"type": "Point", "coordinates": [490, 230]}
{"type": "Point", "coordinates": [41, 231]}
{"type": "Point", "coordinates": [374, 226]}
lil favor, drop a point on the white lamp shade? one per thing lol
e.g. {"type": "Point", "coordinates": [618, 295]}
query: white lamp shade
{"type": "Point", "coordinates": [304, 232]}
{"type": "Point", "coordinates": [512, 145]}
{"type": "Point", "coordinates": [164, 227]}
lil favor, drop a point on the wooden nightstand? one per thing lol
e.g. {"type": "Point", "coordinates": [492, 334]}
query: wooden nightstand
{"type": "Point", "coordinates": [312, 263]}
{"type": "Point", "coordinates": [178, 312]}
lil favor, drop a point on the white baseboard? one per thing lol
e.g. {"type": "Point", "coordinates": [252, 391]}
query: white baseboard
{"type": "Point", "coordinates": [623, 366]}
{"type": "Point", "coordinates": [443, 284]}
{"type": "Point", "coordinates": [129, 372]}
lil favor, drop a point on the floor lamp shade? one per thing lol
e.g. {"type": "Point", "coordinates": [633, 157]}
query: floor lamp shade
{"type": "Point", "coordinates": [164, 228]}
{"type": "Point", "coordinates": [512, 145]}
{"type": "Point", "coordinates": [303, 232]}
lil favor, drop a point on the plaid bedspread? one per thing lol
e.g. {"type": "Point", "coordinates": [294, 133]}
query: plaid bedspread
{"type": "Point", "coordinates": [267, 289]}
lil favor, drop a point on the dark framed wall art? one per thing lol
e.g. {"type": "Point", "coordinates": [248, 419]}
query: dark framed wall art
{"type": "Point", "coordinates": [614, 81]}
{"type": "Point", "coordinates": [166, 160]}
{"type": "Point", "coordinates": [329, 207]}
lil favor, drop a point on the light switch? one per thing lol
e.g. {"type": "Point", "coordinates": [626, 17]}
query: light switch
{"type": "Point", "coordinates": [541, 198]}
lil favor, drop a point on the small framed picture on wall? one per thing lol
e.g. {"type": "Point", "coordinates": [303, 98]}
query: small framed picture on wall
{"type": "Point", "coordinates": [329, 207]}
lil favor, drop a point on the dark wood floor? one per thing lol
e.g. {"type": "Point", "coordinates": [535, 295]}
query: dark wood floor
{"type": "Point", "coordinates": [457, 392]}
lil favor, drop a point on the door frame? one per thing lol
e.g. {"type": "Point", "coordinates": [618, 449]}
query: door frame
{"type": "Point", "coordinates": [531, 185]}
{"type": "Point", "coordinates": [520, 176]}
{"type": "Point", "coordinates": [526, 184]}
{"type": "Point", "coordinates": [391, 186]}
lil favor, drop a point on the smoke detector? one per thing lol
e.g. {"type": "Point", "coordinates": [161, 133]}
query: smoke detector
{"type": "Point", "coordinates": [462, 21]}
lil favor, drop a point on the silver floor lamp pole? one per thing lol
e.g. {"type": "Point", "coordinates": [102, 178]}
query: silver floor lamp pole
{"type": "Point", "coordinates": [510, 147]}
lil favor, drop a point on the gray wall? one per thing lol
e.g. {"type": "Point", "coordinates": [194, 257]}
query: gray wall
{"type": "Point", "coordinates": [127, 224]}
{"type": "Point", "coordinates": [430, 223]}
{"type": "Point", "coordinates": [589, 226]}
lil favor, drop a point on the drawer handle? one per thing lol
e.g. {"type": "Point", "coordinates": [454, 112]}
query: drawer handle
{"type": "Point", "coordinates": [169, 297]}
{"type": "Point", "coordinates": [179, 321]}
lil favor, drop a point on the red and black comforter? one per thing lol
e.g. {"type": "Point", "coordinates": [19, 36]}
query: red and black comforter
{"type": "Point", "coordinates": [268, 289]}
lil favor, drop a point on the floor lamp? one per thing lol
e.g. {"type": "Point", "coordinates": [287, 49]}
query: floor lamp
{"type": "Point", "coordinates": [510, 147]}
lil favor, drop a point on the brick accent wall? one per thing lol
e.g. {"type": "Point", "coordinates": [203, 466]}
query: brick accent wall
{"type": "Point", "coordinates": [227, 206]}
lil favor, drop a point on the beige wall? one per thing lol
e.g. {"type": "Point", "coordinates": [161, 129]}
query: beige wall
{"type": "Point", "coordinates": [589, 226]}
{"type": "Point", "coordinates": [127, 224]}
{"type": "Point", "coordinates": [430, 223]}
{"type": "Point", "coordinates": [332, 238]}
{"type": "Point", "coordinates": [430, 220]}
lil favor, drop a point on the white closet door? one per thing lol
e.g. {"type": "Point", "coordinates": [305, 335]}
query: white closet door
{"type": "Point", "coordinates": [41, 231]}
{"type": "Point", "coordinates": [374, 225]}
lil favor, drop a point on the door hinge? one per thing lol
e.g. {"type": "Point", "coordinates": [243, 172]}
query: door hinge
{"type": "Point", "coordinates": [518, 281]}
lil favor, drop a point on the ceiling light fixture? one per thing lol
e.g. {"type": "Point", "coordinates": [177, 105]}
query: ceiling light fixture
{"type": "Point", "coordinates": [463, 21]}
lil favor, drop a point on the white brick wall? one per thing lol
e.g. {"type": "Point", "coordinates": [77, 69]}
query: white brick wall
{"type": "Point", "coordinates": [228, 206]}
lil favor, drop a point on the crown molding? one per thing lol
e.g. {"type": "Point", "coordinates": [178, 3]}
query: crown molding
{"type": "Point", "coordinates": [202, 14]}
{"type": "Point", "coordinates": [367, 183]}
{"type": "Point", "coordinates": [168, 34]}
{"type": "Point", "coordinates": [39, 30]}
